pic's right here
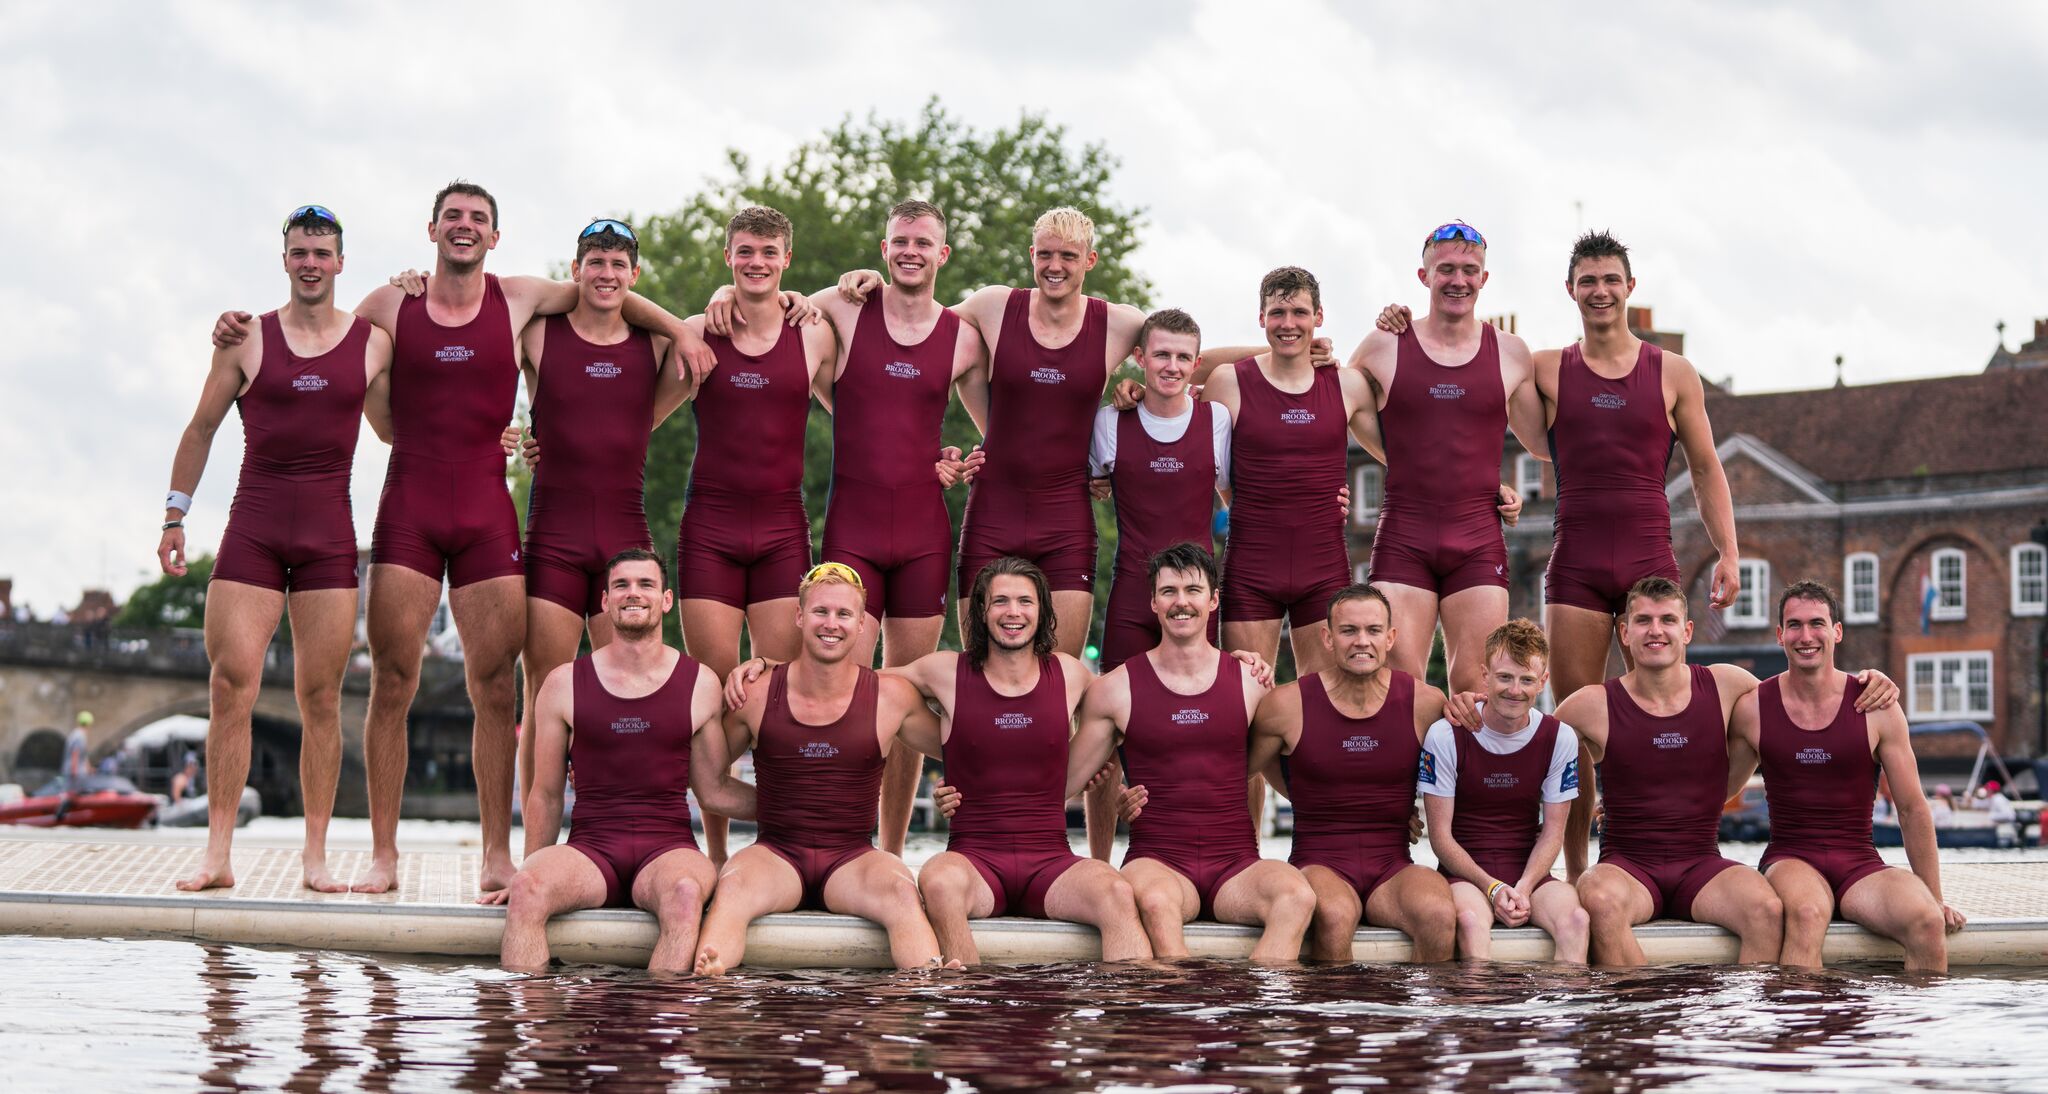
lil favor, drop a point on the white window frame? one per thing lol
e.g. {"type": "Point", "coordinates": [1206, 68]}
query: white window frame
{"type": "Point", "coordinates": [1850, 612]}
{"type": "Point", "coordinates": [1368, 471]}
{"type": "Point", "coordinates": [1931, 677]}
{"type": "Point", "coordinates": [2022, 604]}
{"type": "Point", "coordinates": [1529, 476]}
{"type": "Point", "coordinates": [1752, 604]}
{"type": "Point", "coordinates": [1943, 609]}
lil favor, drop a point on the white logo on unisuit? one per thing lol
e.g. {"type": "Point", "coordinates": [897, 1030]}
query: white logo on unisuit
{"type": "Point", "coordinates": [1813, 756]}
{"type": "Point", "coordinates": [1501, 780]}
{"type": "Point", "coordinates": [1013, 720]}
{"type": "Point", "coordinates": [603, 370]}
{"type": "Point", "coordinates": [1670, 740]}
{"type": "Point", "coordinates": [309, 382]}
{"type": "Point", "coordinates": [1297, 416]}
{"type": "Point", "coordinates": [902, 370]}
{"type": "Point", "coordinates": [1361, 743]}
{"type": "Point", "coordinates": [1190, 716]}
{"type": "Point", "coordinates": [751, 381]}
{"type": "Point", "coordinates": [1167, 464]}
{"type": "Point", "coordinates": [631, 723]}
{"type": "Point", "coordinates": [1608, 400]}
{"type": "Point", "coordinates": [1048, 375]}
{"type": "Point", "coordinates": [1446, 391]}
{"type": "Point", "coordinates": [454, 353]}
{"type": "Point", "coordinates": [818, 750]}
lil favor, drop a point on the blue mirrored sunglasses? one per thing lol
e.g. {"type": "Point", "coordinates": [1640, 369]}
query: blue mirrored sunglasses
{"type": "Point", "coordinates": [320, 211]}
{"type": "Point", "coordinates": [1457, 229]}
{"type": "Point", "coordinates": [618, 226]}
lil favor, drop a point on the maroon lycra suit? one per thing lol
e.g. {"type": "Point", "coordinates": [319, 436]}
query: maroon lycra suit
{"type": "Point", "coordinates": [1008, 758]}
{"type": "Point", "coordinates": [1822, 784]}
{"type": "Point", "coordinates": [1352, 782]}
{"type": "Point", "coordinates": [817, 784]}
{"type": "Point", "coordinates": [745, 537]}
{"type": "Point", "coordinates": [1662, 780]}
{"type": "Point", "coordinates": [1286, 555]}
{"type": "Point", "coordinates": [1165, 494]}
{"type": "Point", "coordinates": [1498, 810]}
{"type": "Point", "coordinates": [1439, 528]}
{"type": "Point", "coordinates": [632, 763]}
{"type": "Point", "coordinates": [1612, 442]}
{"type": "Point", "coordinates": [1189, 753]}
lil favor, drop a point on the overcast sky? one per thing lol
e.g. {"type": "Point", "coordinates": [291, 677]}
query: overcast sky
{"type": "Point", "coordinates": [1854, 178]}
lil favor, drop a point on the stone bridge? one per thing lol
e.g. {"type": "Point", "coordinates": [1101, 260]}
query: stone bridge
{"type": "Point", "coordinates": [130, 678]}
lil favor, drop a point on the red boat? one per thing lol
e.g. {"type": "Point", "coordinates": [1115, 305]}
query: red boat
{"type": "Point", "coordinates": [106, 801]}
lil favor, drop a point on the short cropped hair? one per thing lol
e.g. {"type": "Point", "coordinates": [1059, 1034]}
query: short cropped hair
{"type": "Point", "coordinates": [1288, 280]}
{"type": "Point", "coordinates": [911, 210]}
{"type": "Point", "coordinates": [1522, 640]}
{"type": "Point", "coordinates": [1598, 245]}
{"type": "Point", "coordinates": [464, 186]}
{"type": "Point", "coordinates": [1358, 591]}
{"type": "Point", "coordinates": [760, 220]}
{"type": "Point", "coordinates": [635, 554]}
{"type": "Point", "coordinates": [1183, 558]}
{"type": "Point", "coordinates": [1068, 223]}
{"type": "Point", "coordinates": [1172, 321]}
{"type": "Point", "coordinates": [977, 636]}
{"type": "Point", "coordinates": [313, 224]}
{"type": "Point", "coordinates": [1654, 588]}
{"type": "Point", "coordinates": [830, 573]}
{"type": "Point", "coordinates": [1810, 590]}
{"type": "Point", "coordinates": [608, 240]}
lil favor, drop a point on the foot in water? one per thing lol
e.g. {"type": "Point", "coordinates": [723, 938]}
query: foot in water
{"type": "Point", "coordinates": [708, 963]}
{"type": "Point", "coordinates": [381, 877]}
{"type": "Point", "coordinates": [314, 874]}
{"type": "Point", "coordinates": [212, 874]}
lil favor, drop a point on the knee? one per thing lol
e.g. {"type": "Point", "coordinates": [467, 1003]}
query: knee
{"type": "Point", "coordinates": [1295, 901]}
{"type": "Point", "coordinates": [1159, 905]}
{"type": "Point", "coordinates": [942, 892]}
{"type": "Point", "coordinates": [1926, 930]}
{"type": "Point", "coordinates": [1116, 899]}
{"type": "Point", "coordinates": [320, 695]}
{"type": "Point", "coordinates": [1472, 923]}
{"type": "Point", "coordinates": [1805, 917]}
{"type": "Point", "coordinates": [683, 898]}
{"type": "Point", "coordinates": [394, 673]}
{"type": "Point", "coordinates": [1767, 916]}
{"type": "Point", "coordinates": [1575, 923]}
{"type": "Point", "coordinates": [1440, 919]}
{"type": "Point", "coordinates": [227, 680]}
{"type": "Point", "coordinates": [528, 896]}
{"type": "Point", "coordinates": [902, 894]}
{"type": "Point", "coordinates": [1600, 903]}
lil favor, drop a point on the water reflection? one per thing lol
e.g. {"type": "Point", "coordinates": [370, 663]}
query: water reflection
{"type": "Point", "coordinates": [313, 1022]}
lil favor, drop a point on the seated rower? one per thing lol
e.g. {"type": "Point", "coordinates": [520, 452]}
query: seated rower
{"type": "Point", "coordinates": [1496, 799]}
{"type": "Point", "coordinates": [1821, 757]}
{"type": "Point", "coordinates": [821, 732]}
{"type": "Point", "coordinates": [631, 717]}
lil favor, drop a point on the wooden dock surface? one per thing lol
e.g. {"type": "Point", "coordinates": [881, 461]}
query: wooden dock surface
{"type": "Point", "coordinates": [81, 887]}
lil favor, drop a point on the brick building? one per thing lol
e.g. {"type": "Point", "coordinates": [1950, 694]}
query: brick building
{"type": "Point", "coordinates": [1884, 491]}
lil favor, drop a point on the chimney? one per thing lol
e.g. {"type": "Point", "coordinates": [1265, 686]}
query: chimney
{"type": "Point", "coordinates": [1639, 320]}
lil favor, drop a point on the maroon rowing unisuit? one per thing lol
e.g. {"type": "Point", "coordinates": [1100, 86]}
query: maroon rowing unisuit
{"type": "Point", "coordinates": [745, 537]}
{"type": "Point", "coordinates": [1612, 441]}
{"type": "Point", "coordinates": [1498, 811]}
{"type": "Point", "coordinates": [1352, 782]}
{"type": "Point", "coordinates": [1438, 525]}
{"type": "Point", "coordinates": [1165, 493]}
{"type": "Point", "coordinates": [1189, 753]}
{"type": "Point", "coordinates": [632, 764]}
{"type": "Point", "coordinates": [1007, 755]}
{"type": "Point", "coordinates": [1822, 784]}
{"type": "Point", "coordinates": [818, 784]}
{"type": "Point", "coordinates": [1286, 555]}
{"type": "Point", "coordinates": [1662, 782]}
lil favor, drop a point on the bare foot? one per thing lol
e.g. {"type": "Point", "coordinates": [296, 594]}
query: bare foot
{"type": "Point", "coordinates": [495, 896]}
{"type": "Point", "coordinates": [708, 963]}
{"type": "Point", "coordinates": [496, 875]}
{"type": "Point", "coordinates": [315, 875]}
{"type": "Point", "coordinates": [381, 877]}
{"type": "Point", "coordinates": [210, 875]}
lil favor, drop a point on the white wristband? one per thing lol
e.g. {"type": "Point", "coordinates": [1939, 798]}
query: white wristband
{"type": "Point", "coordinates": [178, 500]}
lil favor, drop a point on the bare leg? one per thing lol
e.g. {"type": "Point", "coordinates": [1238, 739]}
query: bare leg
{"type": "Point", "coordinates": [323, 625]}
{"type": "Point", "coordinates": [903, 641]}
{"type": "Point", "coordinates": [1166, 901]}
{"type": "Point", "coordinates": [1469, 615]}
{"type": "Point", "coordinates": [1414, 626]}
{"type": "Point", "coordinates": [1072, 611]}
{"type": "Point", "coordinates": [1742, 901]}
{"type": "Point", "coordinates": [1417, 902]}
{"type": "Point", "coordinates": [1337, 914]}
{"type": "Point", "coordinates": [402, 604]}
{"type": "Point", "coordinates": [1615, 902]}
{"type": "Point", "coordinates": [1555, 908]}
{"type": "Point", "coordinates": [1579, 643]}
{"type": "Point", "coordinates": [1310, 655]}
{"type": "Point", "coordinates": [877, 886]}
{"type": "Point", "coordinates": [239, 622]}
{"type": "Point", "coordinates": [491, 618]}
{"type": "Point", "coordinates": [1475, 921]}
{"type": "Point", "coordinates": [1274, 896]}
{"type": "Point", "coordinates": [955, 892]}
{"type": "Point", "coordinates": [754, 883]}
{"type": "Point", "coordinates": [674, 887]}
{"type": "Point", "coordinates": [1897, 905]}
{"type": "Point", "coordinates": [711, 634]}
{"type": "Point", "coordinates": [552, 635]}
{"type": "Point", "coordinates": [555, 880]}
{"type": "Point", "coordinates": [1093, 892]}
{"type": "Point", "coordinates": [1809, 906]}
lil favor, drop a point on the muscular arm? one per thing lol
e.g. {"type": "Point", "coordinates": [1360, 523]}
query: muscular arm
{"type": "Point", "coordinates": [673, 384]}
{"type": "Point", "coordinates": [377, 392]}
{"type": "Point", "coordinates": [1916, 820]}
{"type": "Point", "coordinates": [380, 307]}
{"type": "Point", "coordinates": [1525, 403]}
{"type": "Point", "coordinates": [821, 352]}
{"type": "Point", "coordinates": [916, 725]}
{"type": "Point", "coordinates": [1709, 482]}
{"type": "Point", "coordinates": [225, 378]}
{"type": "Point", "coordinates": [1742, 744]}
{"type": "Point", "coordinates": [1585, 710]}
{"type": "Point", "coordinates": [1277, 721]}
{"type": "Point", "coordinates": [710, 759]}
{"type": "Point", "coordinates": [553, 708]}
{"type": "Point", "coordinates": [1361, 405]}
{"type": "Point", "coordinates": [1106, 705]}
{"type": "Point", "coordinates": [970, 375]}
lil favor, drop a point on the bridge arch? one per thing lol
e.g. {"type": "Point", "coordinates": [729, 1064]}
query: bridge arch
{"type": "Point", "coordinates": [39, 758]}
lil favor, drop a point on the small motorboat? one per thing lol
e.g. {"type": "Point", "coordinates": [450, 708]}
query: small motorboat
{"type": "Point", "coordinates": [191, 813]}
{"type": "Point", "coordinates": [104, 801]}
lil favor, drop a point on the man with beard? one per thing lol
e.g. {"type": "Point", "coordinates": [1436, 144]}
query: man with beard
{"type": "Point", "coordinates": [639, 721]}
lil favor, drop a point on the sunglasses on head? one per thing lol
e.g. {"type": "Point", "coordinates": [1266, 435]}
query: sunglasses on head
{"type": "Point", "coordinates": [320, 212]}
{"type": "Point", "coordinates": [618, 227]}
{"type": "Point", "coordinates": [1457, 229]}
{"type": "Point", "coordinates": [838, 570]}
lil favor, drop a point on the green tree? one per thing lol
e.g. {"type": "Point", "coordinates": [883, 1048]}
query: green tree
{"type": "Point", "coordinates": [837, 190]}
{"type": "Point", "coordinates": [170, 601]}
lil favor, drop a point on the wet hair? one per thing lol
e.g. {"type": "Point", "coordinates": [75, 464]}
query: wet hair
{"type": "Point", "coordinates": [1172, 321]}
{"type": "Point", "coordinates": [1184, 558]}
{"type": "Point", "coordinates": [635, 554]}
{"type": "Point", "coordinates": [313, 224]}
{"type": "Point", "coordinates": [760, 220]}
{"type": "Point", "coordinates": [1810, 590]}
{"type": "Point", "coordinates": [1358, 591]}
{"type": "Point", "coordinates": [1285, 282]}
{"type": "Point", "coordinates": [911, 210]}
{"type": "Point", "coordinates": [1597, 245]}
{"type": "Point", "coordinates": [1654, 588]}
{"type": "Point", "coordinates": [464, 186]}
{"type": "Point", "coordinates": [608, 240]}
{"type": "Point", "coordinates": [977, 637]}
{"type": "Point", "coordinates": [1523, 641]}
{"type": "Point", "coordinates": [1068, 223]}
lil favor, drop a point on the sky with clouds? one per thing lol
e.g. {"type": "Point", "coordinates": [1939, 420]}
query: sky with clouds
{"type": "Point", "coordinates": [1795, 182]}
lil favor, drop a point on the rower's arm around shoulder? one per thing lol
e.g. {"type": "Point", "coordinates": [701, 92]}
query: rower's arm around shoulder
{"type": "Point", "coordinates": [1105, 706]}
